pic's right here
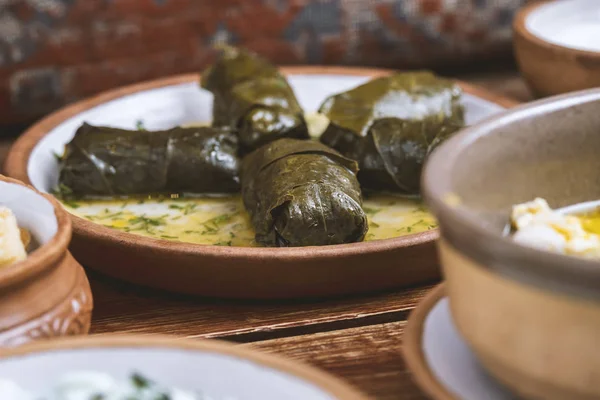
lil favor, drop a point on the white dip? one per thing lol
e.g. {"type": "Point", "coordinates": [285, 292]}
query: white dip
{"type": "Point", "coordinates": [90, 385]}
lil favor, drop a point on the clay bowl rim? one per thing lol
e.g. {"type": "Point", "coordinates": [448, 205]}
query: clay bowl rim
{"type": "Point", "coordinates": [412, 348]}
{"type": "Point", "coordinates": [548, 270]}
{"type": "Point", "coordinates": [47, 254]}
{"type": "Point", "coordinates": [16, 165]}
{"type": "Point", "coordinates": [520, 28]}
{"type": "Point", "coordinates": [323, 380]}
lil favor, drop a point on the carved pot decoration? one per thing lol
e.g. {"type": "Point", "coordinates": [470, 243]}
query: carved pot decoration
{"type": "Point", "coordinates": [48, 294]}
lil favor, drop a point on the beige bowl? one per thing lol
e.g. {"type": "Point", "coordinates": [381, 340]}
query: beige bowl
{"type": "Point", "coordinates": [533, 317]}
{"type": "Point", "coordinates": [557, 45]}
{"type": "Point", "coordinates": [48, 294]}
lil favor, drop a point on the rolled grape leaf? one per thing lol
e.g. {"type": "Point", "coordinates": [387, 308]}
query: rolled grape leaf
{"type": "Point", "coordinates": [102, 161]}
{"type": "Point", "coordinates": [254, 98]}
{"type": "Point", "coordinates": [302, 193]}
{"type": "Point", "coordinates": [390, 124]}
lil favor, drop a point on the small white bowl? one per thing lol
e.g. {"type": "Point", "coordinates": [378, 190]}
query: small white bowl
{"type": "Point", "coordinates": [557, 45]}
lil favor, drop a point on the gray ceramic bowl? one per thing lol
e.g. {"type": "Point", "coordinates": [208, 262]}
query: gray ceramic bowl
{"type": "Point", "coordinates": [533, 317]}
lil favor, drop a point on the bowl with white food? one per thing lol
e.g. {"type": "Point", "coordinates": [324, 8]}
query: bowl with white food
{"type": "Point", "coordinates": [527, 298]}
{"type": "Point", "coordinates": [44, 292]}
{"type": "Point", "coordinates": [115, 367]}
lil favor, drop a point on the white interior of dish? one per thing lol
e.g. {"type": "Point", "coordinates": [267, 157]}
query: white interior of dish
{"type": "Point", "coordinates": [186, 103]}
{"type": "Point", "coordinates": [216, 375]}
{"type": "Point", "coordinates": [33, 212]}
{"type": "Point", "coordinates": [568, 23]}
{"type": "Point", "coordinates": [452, 362]}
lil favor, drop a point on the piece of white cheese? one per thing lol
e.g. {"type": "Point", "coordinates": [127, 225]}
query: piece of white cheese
{"type": "Point", "coordinates": [537, 225]}
{"type": "Point", "coordinates": [12, 249]}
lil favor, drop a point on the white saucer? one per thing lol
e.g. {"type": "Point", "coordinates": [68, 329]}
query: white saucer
{"type": "Point", "coordinates": [441, 362]}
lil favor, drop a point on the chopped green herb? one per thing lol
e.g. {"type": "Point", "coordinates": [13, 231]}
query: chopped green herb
{"type": "Point", "coordinates": [212, 225]}
{"type": "Point", "coordinates": [114, 215]}
{"type": "Point", "coordinates": [139, 381]}
{"type": "Point", "coordinates": [209, 230]}
{"type": "Point", "coordinates": [420, 209]}
{"type": "Point", "coordinates": [189, 208]}
{"type": "Point", "coordinates": [62, 191]}
{"type": "Point", "coordinates": [228, 243]}
{"type": "Point", "coordinates": [169, 237]}
{"type": "Point", "coordinates": [146, 223]}
{"type": "Point", "coordinates": [139, 125]}
{"type": "Point", "coordinates": [71, 204]}
{"type": "Point", "coordinates": [373, 224]}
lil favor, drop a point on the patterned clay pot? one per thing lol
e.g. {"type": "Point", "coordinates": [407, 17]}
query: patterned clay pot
{"type": "Point", "coordinates": [48, 294]}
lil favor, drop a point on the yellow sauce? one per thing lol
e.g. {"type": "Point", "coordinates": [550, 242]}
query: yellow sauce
{"type": "Point", "coordinates": [591, 222]}
{"type": "Point", "coordinates": [224, 221]}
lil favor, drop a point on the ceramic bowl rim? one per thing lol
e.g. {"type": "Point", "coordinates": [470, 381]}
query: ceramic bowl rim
{"type": "Point", "coordinates": [18, 158]}
{"type": "Point", "coordinates": [48, 254]}
{"type": "Point", "coordinates": [321, 379]}
{"type": "Point", "coordinates": [412, 348]}
{"type": "Point", "coordinates": [549, 270]}
{"type": "Point", "coordinates": [520, 29]}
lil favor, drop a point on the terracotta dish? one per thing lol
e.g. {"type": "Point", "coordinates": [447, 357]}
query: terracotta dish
{"type": "Point", "coordinates": [557, 46]}
{"type": "Point", "coordinates": [532, 317]}
{"type": "Point", "coordinates": [234, 272]}
{"type": "Point", "coordinates": [217, 369]}
{"type": "Point", "coordinates": [48, 294]}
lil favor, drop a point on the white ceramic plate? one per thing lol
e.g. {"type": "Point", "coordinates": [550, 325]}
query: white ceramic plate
{"type": "Point", "coordinates": [227, 271]}
{"type": "Point", "coordinates": [216, 369]}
